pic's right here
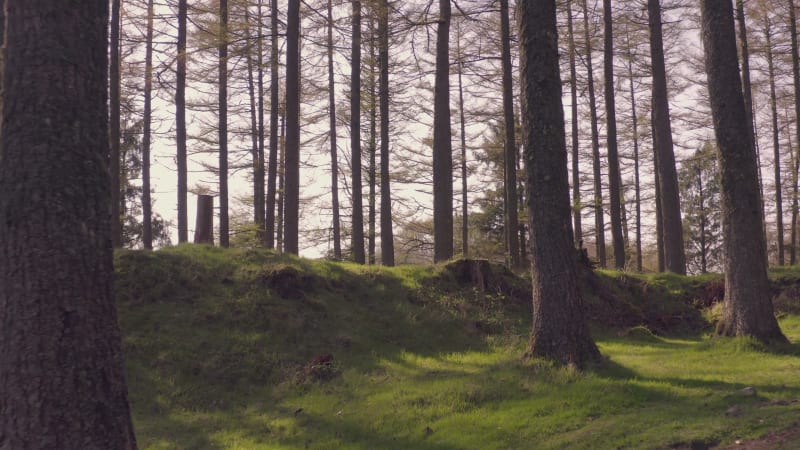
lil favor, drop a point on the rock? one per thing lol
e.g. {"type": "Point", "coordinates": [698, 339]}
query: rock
{"type": "Point", "coordinates": [749, 391]}
{"type": "Point", "coordinates": [734, 411]}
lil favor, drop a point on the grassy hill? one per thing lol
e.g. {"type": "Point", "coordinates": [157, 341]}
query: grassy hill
{"type": "Point", "coordinates": [247, 349]}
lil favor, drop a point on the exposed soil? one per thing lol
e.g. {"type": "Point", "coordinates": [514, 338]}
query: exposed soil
{"type": "Point", "coordinates": [783, 439]}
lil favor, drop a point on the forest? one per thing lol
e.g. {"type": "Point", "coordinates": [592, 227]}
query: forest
{"type": "Point", "coordinates": [421, 225]}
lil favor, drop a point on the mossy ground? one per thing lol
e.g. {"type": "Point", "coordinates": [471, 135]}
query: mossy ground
{"type": "Point", "coordinates": [220, 346]}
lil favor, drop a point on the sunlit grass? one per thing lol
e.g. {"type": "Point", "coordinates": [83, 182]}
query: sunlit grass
{"type": "Point", "coordinates": [215, 355]}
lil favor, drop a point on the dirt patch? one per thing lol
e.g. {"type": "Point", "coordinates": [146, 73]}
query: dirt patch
{"type": "Point", "coordinates": [783, 439]}
{"type": "Point", "coordinates": [288, 282]}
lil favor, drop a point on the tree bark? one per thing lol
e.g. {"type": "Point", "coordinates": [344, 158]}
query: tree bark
{"type": "Point", "coordinates": [291, 213]}
{"type": "Point", "coordinates": [387, 236]}
{"type": "Point", "coordinates": [147, 204]}
{"type": "Point", "coordinates": [509, 142]}
{"type": "Point", "coordinates": [62, 379]}
{"type": "Point", "coordinates": [776, 146]}
{"type": "Point", "coordinates": [355, 137]}
{"type": "Point", "coordinates": [748, 308]}
{"type": "Point", "coordinates": [671, 226]}
{"type": "Point", "coordinates": [337, 240]}
{"type": "Point", "coordinates": [599, 222]}
{"type": "Point", "coordinates": [442, 147]}
{"type": "Point", "coordinates": [274, 112]}
{"type": "Point", "coordinates": [256, 122]}
{"type": "Point", "coordinates": [223, 123]}
{"type": "Point", "coordinates": [114, 126]}
{"type": "Point", "coordinates": [281, 185]}
{"type": "Point", "coordinates": [576, 174]}
{"type": "Point", "coordinates": [614, 178]}
{"type": "Point", "coordinates": [180, 124]}
{"type": "Point", "coordinates": [560, 331]}
{"type": "Point", "coordinates": [462, 121]}
{"type": "Point", "coordinates": [636, 177]}
{"type": "Point", "coordinates": [796, 152]}
{"type": "Point", "coordinates": [204, 223]}
{"type": "Point", "coordinates": [373, 144]}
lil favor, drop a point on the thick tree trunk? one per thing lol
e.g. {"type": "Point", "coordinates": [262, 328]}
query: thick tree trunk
{"type": "Point", "coordinates": [614, 177]}
{"type": "Point", "coordinates": [147, 204]}
{"type": "Point", "coordinates": [291, 213]}
{"type": "Point", "coordinates": [576, 174]}
{"type": "Point", "coordinates": [180, 124]}
{"type": "Point", "coordinates": [672, 228]}
{"type": "Point", "coordinates": [599, 222]}
{"type": "Point", "coordinates": [337, 240]}
{"type": "Point", "coordinates": [114, 126]}
{"type": "Point", "coordinates": [204, 223]}
{"type": "Point", "coordinates": [748, 307]}
{"type": "Point", "coordinates": [387, 236]}
{"type": "Point", "coordinates": [62, 380]}
{"type": "Point", "coordinates": [355, 137]}
{"type": "Point", "coordinates": [442, 147]}
{"type": "Point", "coordinates": [776, 146]}
{"type": "Point", "coordinates": [560, 331]}
{"type": "Point", "coordinates": [509, 142]}
{"type": "Point", "coordinates": [274, 112]}
{"type": "Point", "coordinates": [223, 123]}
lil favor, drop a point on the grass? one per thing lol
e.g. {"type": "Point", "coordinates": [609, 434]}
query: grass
{"type": "Point", "coordinates": [219, 345]}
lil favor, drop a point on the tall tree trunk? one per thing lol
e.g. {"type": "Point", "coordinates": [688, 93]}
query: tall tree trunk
{"type": "Point", "coordinates": [672, 228]}
{"type": "Point", "coordinates": [373, 144]}
{"type": "Point", "coordinates": [703, 223]}
{"type": "Point", "coordinates": [180, 124]}
{"type": "Point", "coordinates": [747, 88]}
{"type": "Point", "coordinates": [291, 211]}
{"type": "Point", "coordinates": [223, 123]}
{"type": "Point", "coordinates": [256, 126]}
{"type": "Point", "coordinates": [442, 147]}
{"type": "Point", "coordinates": [599, 222]}
{"type": "Point", "coordinates": [748, 308]}
{"type": "Point", "coordinates": [509, 142]}
{"type": "Point", "coordinates": [776, 146]}
{"type": "Point", "coordinates": [62, 379]}
{"type": "Point", "coordinates": [560, 330]}
{"type": "Point", "coordinates": [261, 210]}
{"type": "Point", "coordinates": [281, 185]}
{"type": "Point", "coordinates": [614, 177]}
{"type": "Point", "coordinates": [337, 240]}
{"type": "Point", "coordinates": [659, 216]}
{"type": "Point", "coordinates": [147, 204]}
{"type": "Point", "coordinates": [576, 174]}
{"type": "Point", "coordinates": [795, 169]}
{"type": "Point", "coordinates": [114, 125]}
{"type": "Point", "coordinates": [462, 120]}
{"type": "Point", "coordinates": [387, 236]}
{"type": "Point", "coordinates": [355, 137]}
{"type": "Point", "coordinates": [795, 151]}
{"type": "Point", "coordinates": [274, 112]}
{"type": "Point", "coordinates": [636, 180]}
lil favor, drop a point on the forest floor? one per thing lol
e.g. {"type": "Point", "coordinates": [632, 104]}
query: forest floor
{"type": "Point", "coordinates": [248, 349]}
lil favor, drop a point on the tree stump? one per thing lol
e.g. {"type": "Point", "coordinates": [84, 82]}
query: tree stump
{"type": "Point", "coordinates": [204, 226]}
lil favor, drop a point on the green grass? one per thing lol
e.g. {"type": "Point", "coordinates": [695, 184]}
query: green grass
{"type": "Point", "coordinates": [218, 344]}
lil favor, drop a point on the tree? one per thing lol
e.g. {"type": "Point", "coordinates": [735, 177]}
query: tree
{"type": "Point", "coordinates": [291, 169]}
{"type": "Point", "coordinates": [180, 124]}
{"type": "Point", "coordinates": [442, 146]}
{"type": "Point", "coordinates": [147, 203]}
{"type": "Point", "coordinates": [796, 78]}
{"type": "Point", "coordinates": [272, 166]}
{"type": "Point", "coordinates": [748, 308]}
{"type": "Point", "coordinates": [355, 137]}
{"type": "Point", "coordinates": [674, 257]}
{"type": "Point", "coordinates": [573, 91]}
{"type": "Point", "coordinates": [387, 236]}
{"type": "Point", "coordinates": [223, 123]}
{"type": "Point", "coordinates": [614, 178]}
{"type": "Point", "coordinates": [776, 147]}
{"type": "Point", "coordinates": [114, 124]}
{"type": "Point", "coordinates": [55, 225]}
{"type": "Point", "coordinates": [337, 245]}
{"type": "Point", "coordinates": [510, 143]}
{"type": "Point", "coordinates": [560, 331]}
{"type": "Point", "coordinates": [700, 190]}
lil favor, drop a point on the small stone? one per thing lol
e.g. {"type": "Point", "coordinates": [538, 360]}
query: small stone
{"type": "Point", "coordinates": [734, 411]}
{"type": "Point", "coordinates": [749, 391]}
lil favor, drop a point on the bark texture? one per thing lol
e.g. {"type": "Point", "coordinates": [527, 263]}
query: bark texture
{"type": "Point", "coordinates": [337, 240]}
{"type": "Point", "coordinates": [387, 235]}
{"type": "Point", "coordinates": [442, 146]}
{"type": "Point", "coordinates": [748, 308]}
{"type": "Point", "coordinates": [510, 141]}
{"type": "Point", "coordinates": [577, 222]}
{"type": "Point", "coordinates": [62, 381]}
{"type": "Point", "coordinates": [114, 126]}
{"type": "Point", "coordinates": [274, 112]}
{"type": "Point", "coordinates": [560, 331]}
{"type": "Point", "coordinates": [796, 152]}
{"type": "Point", "coordinates": [223, 122]}
{"type": "Point", "coordinates": [180, 125]}
{"type": "Point", "coordinates": [204, 223]}
{"type": "Point", "coordinates": [671, 226]}
{"type": "Point", "coordinates": [355, 137]}
{"type": "Point", "coordinates": [147, 205]}
{"type": "Point", "coordinates": [291, 213]}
